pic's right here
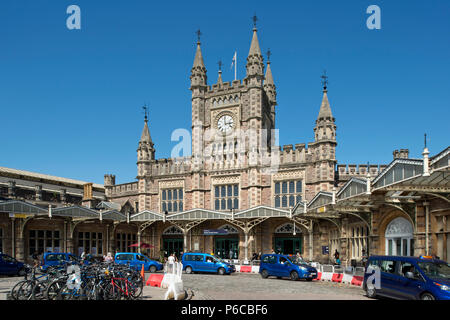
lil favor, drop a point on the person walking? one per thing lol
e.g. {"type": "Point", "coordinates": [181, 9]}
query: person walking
{"type": "Point", "coordinates": [35, 257]}
{"type": "Point", "coordinates": [336, 256]}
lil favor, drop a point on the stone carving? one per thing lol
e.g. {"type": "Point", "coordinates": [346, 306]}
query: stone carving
{"type": "Point", "coordinates": [287, 228]}
{"type": "Point", "coordinates": [173, 230]}
{"type": "Point", "coordinates": [399, 227]}
{"type": "Point", "coordinates": [229, 229]}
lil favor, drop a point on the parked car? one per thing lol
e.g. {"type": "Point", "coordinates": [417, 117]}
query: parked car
{"type": "Point", "coordinates": [204, 262]}
{"type": "Point", "coordinates": [57, 259]}
{"type": "Point", "coordinates": [136, 260]}
{"type": "Point", "coordinates": [412, 278]}
{"type": "Point", "coordinates": [10, 266]}
{"type": "Point", "coordinates": [280, 266]}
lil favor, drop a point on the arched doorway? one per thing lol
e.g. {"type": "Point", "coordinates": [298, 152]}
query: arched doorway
{"type": "Point", "coordinates": [288, 239]}
{"type": "Point", "coordinates": [172, 241]}
{"type": "Point", "coordinates": [227, 246]}
{"type": "Point", "coordinates": [399, 238]}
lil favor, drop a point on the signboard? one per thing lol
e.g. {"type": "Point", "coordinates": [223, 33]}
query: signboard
{"type": "Point", "coordinates": [325, 250]}
{"type": "Point", "coordinates": [214, 232]}
{"type": "Point", "coordinates": [19, 215]}
{"type": "Point", "coordinates": [321, 209]}
{"type": "Point", "coordinates": [196, 246]}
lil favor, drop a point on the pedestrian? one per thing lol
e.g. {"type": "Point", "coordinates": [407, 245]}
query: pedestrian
{"type": "Point", "coordinates": [364, 257]}
{"type": "Point", "coordinates": [336, 255]}
{"type": "Point", "coordinates": [299, 257]}
{"type": "Point", "coordinates": [171, 258]}
{"type": "Point", "coordinates": [108, 258]}
{"type": "Point", "coordinates": [35, 257]}
{"type": "Point", "coordinates": [273, 251]}
{"type": "Point", "coordinates": [255, 256]}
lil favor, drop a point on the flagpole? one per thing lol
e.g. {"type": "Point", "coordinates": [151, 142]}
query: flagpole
{"type": "Point", "coordinates": [235, 64]}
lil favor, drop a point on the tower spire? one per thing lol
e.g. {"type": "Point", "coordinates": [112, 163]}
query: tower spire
{"type": "Point", "coordinates": [325, 109]}
{"type": "Point", "coordinates": [255, 65]}
{"type": "Point", "coordinates": [219, 79]}
{"type": "Point", "coordinates": [198, 71]}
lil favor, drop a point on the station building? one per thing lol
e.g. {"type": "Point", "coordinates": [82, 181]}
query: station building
{"type": "Point", "coordinates": [239, 193]}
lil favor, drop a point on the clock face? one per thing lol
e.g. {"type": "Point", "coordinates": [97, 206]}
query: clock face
{"type": "Point", "coordinates": [225, 123]}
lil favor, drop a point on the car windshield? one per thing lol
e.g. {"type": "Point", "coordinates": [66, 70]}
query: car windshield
{"type": "Point", "coordinates": [295, 260]}
{"type": "Point", "coordinates": [435, 269]}
{"type": "Point", "coordinates": [219, 259]}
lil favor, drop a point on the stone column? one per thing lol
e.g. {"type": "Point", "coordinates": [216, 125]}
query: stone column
{"type": "Point", "coordinates": [427, 224]}
{"type": "Point", "coordinates": [139, 241]}
{"type": "Point", "coordinates": [69, 238]}
{"type": "Point", "coordinates": [185, 240]}
{"type": "Point", "coordinates": [38, 190]}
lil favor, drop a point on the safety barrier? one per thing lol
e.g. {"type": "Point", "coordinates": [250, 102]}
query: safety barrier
{"type": "Point", "coordinates": [348, 275]}
{"type": "Point", "coordinates": [154, 280]}
{"type": "Point", "coordinates": [330, 273]}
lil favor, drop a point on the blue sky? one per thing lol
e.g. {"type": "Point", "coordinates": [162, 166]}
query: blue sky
{"type": "Point", "coordinates": [70, 100]}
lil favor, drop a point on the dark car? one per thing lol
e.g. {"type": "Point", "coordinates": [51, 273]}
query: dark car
{"type": "Point", "coordinates": [58, 259]}
{"type": "Point", "coordinates": [10, 266]}
{"type": "Point", "coordinates": [411, 278]}
{"type": "Point", "coordinates": [280, 266]}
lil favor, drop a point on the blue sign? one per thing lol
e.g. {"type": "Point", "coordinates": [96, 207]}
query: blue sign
{"type": "Point", "coordinates": [213, 232]}
{"type": "Point", "coordinates": [325, 250]}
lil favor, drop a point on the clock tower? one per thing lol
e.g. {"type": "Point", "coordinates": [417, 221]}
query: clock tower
{"type": "Point", "coordinates": [229, 119]}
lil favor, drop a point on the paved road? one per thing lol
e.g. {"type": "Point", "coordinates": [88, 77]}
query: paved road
{"type": "Point", "coordinates": [242, 286]}
{"type": "Point", "coordinates": [245, 286]}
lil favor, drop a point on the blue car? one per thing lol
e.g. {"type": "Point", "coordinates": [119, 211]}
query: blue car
{"type": "Point", "coordinates": [279, 265]}
{"type": "Point", "coordinates": [204, 262]}
{"type": "Point", "coordinates": [10, 266]}
{"type": "Point", "coordinates": [412, 278]}
{"type": "Point", "coordinates": [136, 260]}
{"type": "Point", "coordinates": [57, 259]}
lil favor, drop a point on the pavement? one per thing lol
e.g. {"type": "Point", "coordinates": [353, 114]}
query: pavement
{"type": "Point", "coordinates": [240, 286]}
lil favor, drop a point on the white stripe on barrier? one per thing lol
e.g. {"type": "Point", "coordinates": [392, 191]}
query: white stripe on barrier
{"type": "Point", "coordinates": [326, 276]}
{"type": "Point", "coordinates": [238, 268]}
{"type": "Point", "coordinates": [255, 269]}
{"type": "Point", "coordinates": [347, 278]}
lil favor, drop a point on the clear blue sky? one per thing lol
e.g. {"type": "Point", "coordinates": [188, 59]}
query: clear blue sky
{"type": "Point", "coordinates": [71, 100]}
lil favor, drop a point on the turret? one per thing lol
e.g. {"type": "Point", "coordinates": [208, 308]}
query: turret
{"type": "Point", "coordinates": [325, 128]}
{"type": "Point", "coordinates": [255, 64]}
{"type": "Point", "coordinates": [146, 149]}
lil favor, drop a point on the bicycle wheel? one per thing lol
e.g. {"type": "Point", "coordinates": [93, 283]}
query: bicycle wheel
{"type": "Point", "coordinates": [53, 289]}
{"type": "Point", "coordinates": [15, 289]}
{"type": "Point", "coordinates": [135, 288]}
{"type": "Point", "coordinates": [25, 291]}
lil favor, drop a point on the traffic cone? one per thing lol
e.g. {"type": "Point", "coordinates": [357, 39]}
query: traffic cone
{"type": "Point", "coordinates": [143, 274]}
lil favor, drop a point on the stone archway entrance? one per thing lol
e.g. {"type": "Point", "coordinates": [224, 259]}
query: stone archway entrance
{"type": "Point", "coordinates": [399, 238]}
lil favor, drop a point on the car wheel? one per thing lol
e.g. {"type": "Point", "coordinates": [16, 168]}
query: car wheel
{"type": "Point", "coordinates": [264, 274]}
{"type": "Point", "coordinates": [221, 271]}
{"type": "Point", "coordinates": [427, 296]}
{"type": "Point", "coordinates": [188, 270]}
{"type": "Point", "coordinates": [152, 269]}
{"type": "Point", "coordinates": [294, 275]}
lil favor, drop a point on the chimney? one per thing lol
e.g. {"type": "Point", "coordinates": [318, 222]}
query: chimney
{"type": "Point", "coordinates": [396, 154]}
{"type": "Point", "coordinates": [87, 192]}
{"type": "Point", "coordinates": [404, 153]}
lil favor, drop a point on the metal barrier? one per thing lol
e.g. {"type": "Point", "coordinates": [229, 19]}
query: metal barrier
{"type": "Point", "coordinates": [327, 268]}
